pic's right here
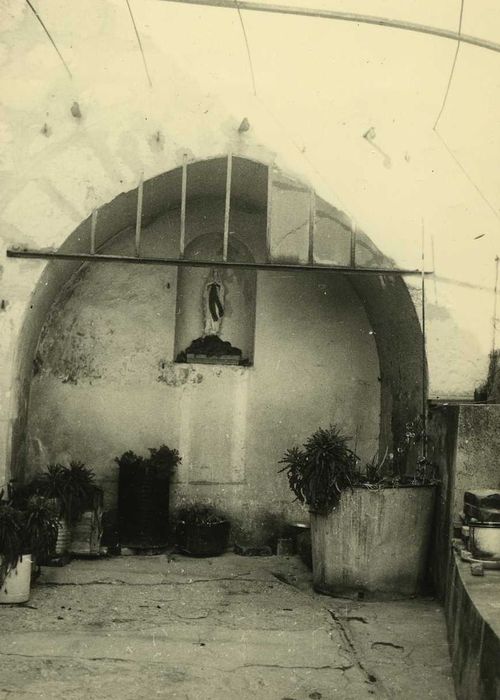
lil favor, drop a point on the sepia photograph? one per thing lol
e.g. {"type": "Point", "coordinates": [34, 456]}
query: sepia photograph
{"type": "Point", "coordinates": [250, 349]}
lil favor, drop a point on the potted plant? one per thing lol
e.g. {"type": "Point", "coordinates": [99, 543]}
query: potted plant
{"type": "Point", "coordinates": [202, 531]}
{"type": "Point", "coordinates": [25, 536]}
{"type": "Point", "coordinates": [370, 527]}
{"type": "Point", "coordinates": [52, 485]}
{"type": "Point", "coordinates": [143, 496]}
{"type": "Point", "coordinates": [83, 510]}
{"type": "Point", "coordinates": [40, 530]}
{"type": "Point", "coordinates": [79, 503]}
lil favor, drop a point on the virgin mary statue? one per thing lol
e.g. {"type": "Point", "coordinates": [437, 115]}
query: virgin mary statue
{"type": "Point", "coordinates": [213, 304]}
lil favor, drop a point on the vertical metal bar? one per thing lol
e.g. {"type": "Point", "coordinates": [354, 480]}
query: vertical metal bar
{"type": "Point", "coordinates": [434, 269]}
{"type": "Point", "coordinates": [312, 225]}
{"type": "Point", "coordinates": [353, 243]}
{"type": "Point", "coordinates": [227, 209]}
{"type": "Point", "coordinates": [424, 382]}
{"type": "Point", "coordinates": [495, 306]}
{"type": "Point", "coordinates": [138, 219]}
{"type": "Point", "coordinates": [269, 210]}
{"type": "Point", "coordinates": [93, 227]}
{"type": "Point", "coordinates": [182, 238]}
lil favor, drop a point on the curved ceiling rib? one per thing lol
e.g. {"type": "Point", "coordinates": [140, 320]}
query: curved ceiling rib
{"type": "Point", "coordinates": [346, 17]}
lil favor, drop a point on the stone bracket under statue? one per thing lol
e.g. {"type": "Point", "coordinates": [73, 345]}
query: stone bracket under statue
{"type": "Point", "coordinates": [209, 348]}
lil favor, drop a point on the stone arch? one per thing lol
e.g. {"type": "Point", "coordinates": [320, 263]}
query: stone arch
{"type": "Point", "coordinates": [385, 298]}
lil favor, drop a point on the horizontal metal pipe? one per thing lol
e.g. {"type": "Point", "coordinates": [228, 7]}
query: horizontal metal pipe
{"type": "Point", "coordinates": [176, 262]}
{"type": "Point", "coordinates": [346, 17]}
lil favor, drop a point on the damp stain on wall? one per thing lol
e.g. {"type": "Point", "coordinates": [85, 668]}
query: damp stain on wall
{"type": "Point", "coordinates": [174, 375]}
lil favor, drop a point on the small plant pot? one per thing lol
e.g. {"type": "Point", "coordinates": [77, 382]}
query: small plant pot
{"type": "Point", "coordinates": [208, 540]}
{"type": "Point", "coordinates": [86, 533]}
{"type": "Point", "coordinates": [16, 585]}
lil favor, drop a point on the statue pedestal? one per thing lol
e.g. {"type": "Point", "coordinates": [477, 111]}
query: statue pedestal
{"type": "Point", "coordinates": [220, 360]}
{"type": "Point", "coordinates": [211, 350]}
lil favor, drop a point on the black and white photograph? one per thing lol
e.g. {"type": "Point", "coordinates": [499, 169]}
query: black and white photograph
{"type": "Point", "coordinates": [250, 349]}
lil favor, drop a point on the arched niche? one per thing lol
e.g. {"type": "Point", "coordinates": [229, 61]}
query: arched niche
{"type": "Point", "coordinates": [385, 299]}
{"type": "Point", "coordinates": [240, 289]}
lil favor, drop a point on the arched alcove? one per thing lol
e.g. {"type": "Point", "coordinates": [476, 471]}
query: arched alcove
{"type": "Point", "coordinates": [240, 287]}
{"type": "Point", "coordinates": [97, 370]}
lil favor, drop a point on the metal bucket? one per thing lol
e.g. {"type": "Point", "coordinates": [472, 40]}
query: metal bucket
{"type": "Point", "coordinates": [484, 541]}
{"type": "Point", "coordinates": [16, 585]}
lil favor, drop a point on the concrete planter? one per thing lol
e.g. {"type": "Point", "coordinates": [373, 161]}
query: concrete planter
{"type": "Point", "coordinates": [375, 541]}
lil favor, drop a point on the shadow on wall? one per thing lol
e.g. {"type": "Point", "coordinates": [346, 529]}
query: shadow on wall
{"type": "Point", "coordinates": [403, 370]}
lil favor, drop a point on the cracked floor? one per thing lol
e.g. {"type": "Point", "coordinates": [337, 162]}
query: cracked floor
{"type": "Point", "coordinates": [228, 627]}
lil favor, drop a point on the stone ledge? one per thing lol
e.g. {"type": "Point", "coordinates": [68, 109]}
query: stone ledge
{"type": "Point", "coordinates": [472, 609]}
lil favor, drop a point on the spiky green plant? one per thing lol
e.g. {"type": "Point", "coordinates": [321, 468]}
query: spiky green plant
{"type": "Point", "coordinates": [320, 470]}
{"type": "Point", "coordinates": [28, 530]}
{"type": "Point", "coordinates": [12, 522]}
{"type": "Point", "coordinates": [80, 492]}
{"type": "Point", "coordinates": [40, 529]}
{"type": "Point", "coordinates": [74, 488]}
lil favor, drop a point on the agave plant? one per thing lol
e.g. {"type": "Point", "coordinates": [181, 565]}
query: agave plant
{"type": "Point", "coordinates": [320, 470]}
{"type": "Point", "coordinates": [74, 488]}
{"type": "Point", "coordinates": [80, 491]}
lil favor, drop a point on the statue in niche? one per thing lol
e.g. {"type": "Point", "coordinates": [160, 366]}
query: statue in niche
{"type": "Point", "coordinates": [209, 348]}
{"type": "Point", "coordinates": [213, 304]}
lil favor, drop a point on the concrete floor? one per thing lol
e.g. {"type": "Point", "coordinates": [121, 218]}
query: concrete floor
{"type": "Point", "coordinates": [227, 628]}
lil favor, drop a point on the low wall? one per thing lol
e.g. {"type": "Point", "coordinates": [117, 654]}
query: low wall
{"type": "Point", "coordinates": [442, 425]}
{"type": "Point", "coordinates": [464, 443]}
{"type": "Point", "coordinates": [473, 621]}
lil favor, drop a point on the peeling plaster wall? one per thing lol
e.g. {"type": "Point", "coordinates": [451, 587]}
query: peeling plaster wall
{"type": "Point", "coordinates": [105, 381]}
